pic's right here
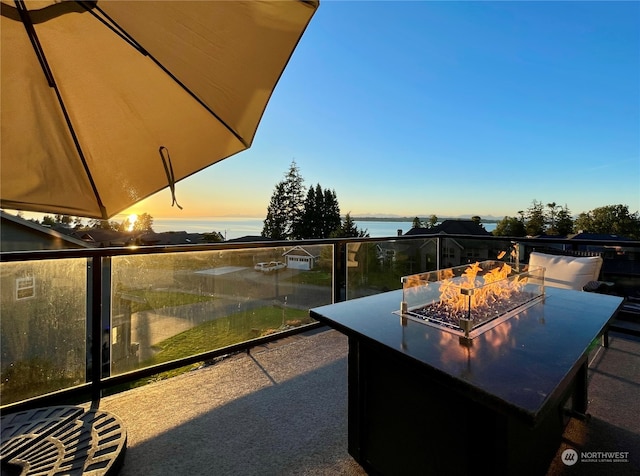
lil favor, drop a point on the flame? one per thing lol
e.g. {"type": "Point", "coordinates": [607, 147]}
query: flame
{"type": "Point", "coordinates": [471, 292]}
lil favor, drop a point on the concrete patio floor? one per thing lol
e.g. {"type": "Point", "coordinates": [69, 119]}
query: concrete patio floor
{"type": "Point", "coordinates": [282, 410]}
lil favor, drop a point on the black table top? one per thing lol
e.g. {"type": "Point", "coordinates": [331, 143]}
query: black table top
{"type": "Point", "coordinates": [519, 364]}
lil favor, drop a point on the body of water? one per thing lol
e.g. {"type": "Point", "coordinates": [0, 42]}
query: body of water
{"type": "Point", "coordinates": [232, 228]}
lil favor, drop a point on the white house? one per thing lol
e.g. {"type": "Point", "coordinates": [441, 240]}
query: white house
{"type": "Point", "coordinates": [300, 257]}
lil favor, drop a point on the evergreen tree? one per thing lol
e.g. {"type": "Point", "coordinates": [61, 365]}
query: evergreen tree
{"type": "Point", "coordinates": [417, 223]}
{"type": "Point", "coordinates": [275, 225]}
{"type": "Point", "coordinates": [564, 222]}
{"type": "Point", "coordinates": [349, 229]}
{"type": "Point", "coordinates": [321, 215]}
{"type": "Point", "coordinates": [510, 226]}
{"type": "Point", "coordinates": [551, 219]}
{"type": "Point", "coordinates": [311, 217]}
{"type": "Point", "coordinates": [331, 213]}
{"type": "Point", "coordinates": [535, 219]}
{"type": "Point", "coordinates": [286, 208]}
{"type": "Point", "coordinates": [317, 218]}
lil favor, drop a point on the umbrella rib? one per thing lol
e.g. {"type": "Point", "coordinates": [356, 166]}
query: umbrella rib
{"type": "Point", "coordinates": [113, 26]}
{"type": "Point", "coordinates": [121, 32]}
{"type": "Point", "coordinates": [35, 42]}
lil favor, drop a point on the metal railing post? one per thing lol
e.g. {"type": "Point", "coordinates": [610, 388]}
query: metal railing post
{"type": "Point", "coordinates": [105, 313]}
{"type": "Point", "coordinates": [94, 328]}
{"type": "Point", "coordinates": [339, 282]}
{"type": "Point", "coordinates": [339, 272]}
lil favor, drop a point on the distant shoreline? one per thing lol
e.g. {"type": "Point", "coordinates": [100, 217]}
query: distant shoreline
{"type": "Point", "coordinates": [238, 227]}
{"type": "Point", "coordinates": [410, 219]}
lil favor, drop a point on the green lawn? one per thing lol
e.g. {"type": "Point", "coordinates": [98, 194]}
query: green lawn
{"type": "Point", "coordinates": [222, 332]}
{"type": "Point", "coordinates": [153, 299]}
{"type": "Point", "coordinates": [227, 330]}
{"type": "Point", "coordinates": [315, 277]}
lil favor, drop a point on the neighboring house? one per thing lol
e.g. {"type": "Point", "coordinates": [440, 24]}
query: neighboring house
{"type": "Point", "coordinates": [248, 238]}
{"type": "Point", "coordinates": [608, 250]}
{"type": "Point", "coordinates": [101, 238]}
{"type": "Point", "coordinates": [302, 257]}
{"type": "Point", "coordinates": [452, 227]}
{"type": "Point", "coordinates": [151, 238]}
{"type": "Point", "coordinates": [453, 252]}
{"type": "Point", "coordinates": [18, 234]}
{"type": "Point", "coordinates": [625, 269]}
{"type": "Point", "coordinates": [578, 248]}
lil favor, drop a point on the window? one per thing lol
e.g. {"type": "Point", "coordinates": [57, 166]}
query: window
{"type": "Point", "coordinates": [25, 287]}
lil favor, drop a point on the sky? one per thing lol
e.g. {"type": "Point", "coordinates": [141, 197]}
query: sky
{"type": "Point", "coordinates": [448, 108]}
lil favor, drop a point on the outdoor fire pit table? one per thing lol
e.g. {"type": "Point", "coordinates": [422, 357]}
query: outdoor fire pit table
{"type": "Point", "coordinates": [425, 401]}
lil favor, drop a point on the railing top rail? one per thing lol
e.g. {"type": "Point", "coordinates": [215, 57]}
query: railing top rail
{"type": "Point", "coordinates": [36, 255]}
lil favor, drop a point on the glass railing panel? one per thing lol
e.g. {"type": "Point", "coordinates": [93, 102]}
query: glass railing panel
{"type": "Point", "coordinates": [376, 267]}
{"type": "Point", "coordinates": [42, 327]}
{"type": "Point", "coordinates": [170, 306]}
{"type": "Point", "coordinates": [462, 251]}
{"type": "Point", "coordinates": [371, 269]}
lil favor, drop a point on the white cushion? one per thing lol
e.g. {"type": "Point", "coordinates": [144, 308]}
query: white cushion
{"type": "Point", "coordinates": [567, 272]}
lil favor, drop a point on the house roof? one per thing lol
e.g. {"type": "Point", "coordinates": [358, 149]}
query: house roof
{"type": "Point", "coordinates": [45, 237]}
{"type": "Point", "coordinates": [169, 238]}
{"type": "Point", "coordinates": [452, 227]}
{"type": "Point", "coordinates": [310, 251]}
{"type": "Point", "coordinates": [100, 236]}
{"type": "Point", "coordinates": [249, 238]}
{"type": "Point", "coordinates": [598, 236]}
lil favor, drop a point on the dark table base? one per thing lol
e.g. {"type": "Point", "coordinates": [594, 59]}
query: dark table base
{"type": "Point", "coordinates": [404, 422]}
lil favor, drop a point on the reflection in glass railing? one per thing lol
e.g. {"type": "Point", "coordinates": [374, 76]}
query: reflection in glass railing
{"type": "Point", "coordinates": [175, 305]}
{"type": "Point", "coordinates": [378, 266]}
{"type": "Point", "coordinates": [43, 327]}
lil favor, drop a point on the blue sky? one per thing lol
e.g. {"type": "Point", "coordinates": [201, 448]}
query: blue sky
{"type": "Point", "coordinates": [446, 108]}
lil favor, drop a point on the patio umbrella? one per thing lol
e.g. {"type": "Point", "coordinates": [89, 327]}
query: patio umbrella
{"type": "Point", "coordinates": [107, 102]}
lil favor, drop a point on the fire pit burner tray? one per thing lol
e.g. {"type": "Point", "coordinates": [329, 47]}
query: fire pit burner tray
{"type": "Point", "coordinates": [471, 299]}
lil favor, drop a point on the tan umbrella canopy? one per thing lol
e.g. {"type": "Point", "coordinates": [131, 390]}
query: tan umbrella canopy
{"type": "Point", "coordinates": [105, 103]}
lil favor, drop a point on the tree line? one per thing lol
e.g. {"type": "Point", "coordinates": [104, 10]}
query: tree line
{"type": "Point", "coordinates": [293, 215]}
{"type": "Point", "coordinates": [142, 222]}
{"type": "Point", "coordinates": [297, 213]}
{"type": "Point", "coordinates": [552, 219]}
